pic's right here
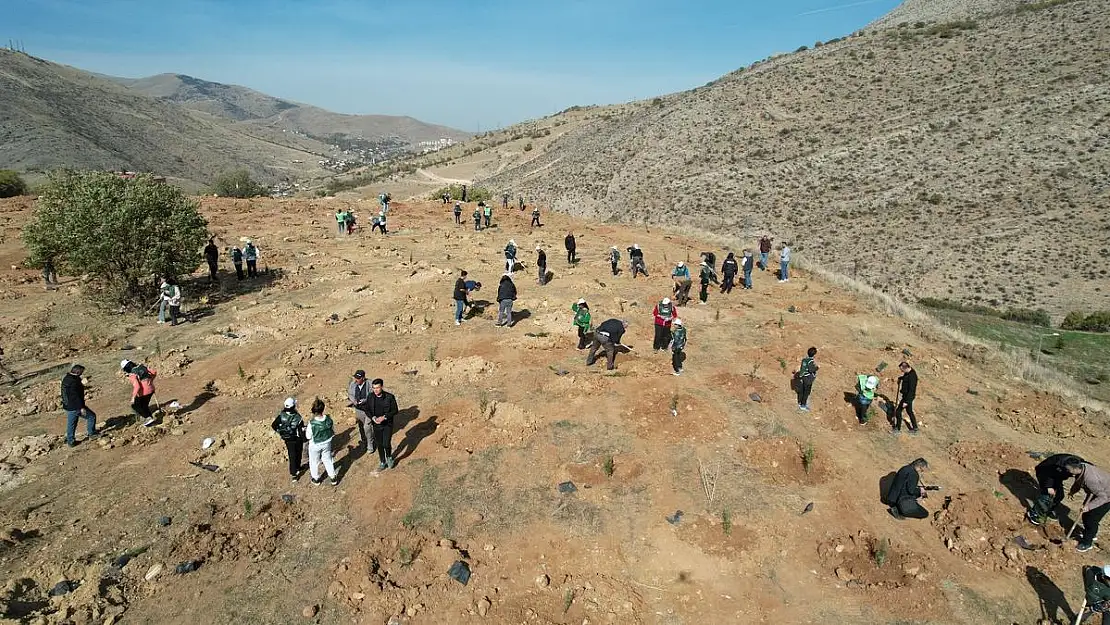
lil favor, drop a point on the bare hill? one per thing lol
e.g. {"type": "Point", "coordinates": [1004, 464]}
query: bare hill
{"type": "Point", "coordinates": [961, 160]}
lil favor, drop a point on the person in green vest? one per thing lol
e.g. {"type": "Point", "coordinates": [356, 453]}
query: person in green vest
{"type": "Point", "coordinates": [866, 386]}
{"type": "Point", "coordinates": [341, 220]}
{"type": "Point", "coordinates": [237, 260]}
{"type": "Point", "coordinates": [581, 321]}
{"type": "Point", "coordinates": [614, 259]}
{"type": "Point", "coordinates": [458, 213]}
{"type": "Point", "coordinates": [319, 431]}
{"type": "Point", "coordinates": [707, 275]}
{"type": "Point", "coordinates": [678, 346]}
{"type": "Point", "coordinates": [477, 219]}
{"type": "Point", "coordinates": [681, 276]}
{"type": "Point", "coordinates": [487, 212]}
{"type": "Point", "coordinates": [806, 375]}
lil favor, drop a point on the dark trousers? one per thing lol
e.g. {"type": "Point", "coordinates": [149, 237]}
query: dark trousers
{"type": "Point", "coordinates": [141, 406]}
{"type": "Point", "coordinates": [458, 218]}
{"type": "Point", "coordinates": [212, 270]}
{"type": "Point", "coordinates": [862, 406]}
{"type": "Point", "coordinates": [662, 337]}
{"type": "Point", "coordinates": [543, 274]}
{"type": "Point", "coordinates": [535, 220]}
{"type": "Point", "coordinates": [905, 405]}
{"type": "Point", "coordinates": [382, 440]}
{"type": "Point", "coordinates": [909, 508]}
{"type": "Point", "coordinates": [486, 218]}
{"type": "Point", "coordinates": [805, 385]}
{"type": "Point", "coordinates": [704, 294]}
{"type": "Point", "coordinates": [582, 334]}
{"type": "Point", "coordinates": [1046, 502]}
{"type": "Point", "coordinates": [728, 283]}
{"type": "Point", "coordinates": [174, 312]}
{"type": "Point", "coordinates": [477, 225]}
{"type": "Point", "coordinates": [295, 447]}
{"type": "Point", "coordinates": [1091, 520]}
{"type": "Point", "coordinates": [570, 256]}
{"type": "Point", "coordinates": [599, 343]}
{"type": "Point", "coordinates": [677, 358]}
{"type": "Point", "coordinates": [615, 269]}
{"type": "Point", "coordinates": [252, 268]}
{"type": "Point", "coordinates": [239, 271]}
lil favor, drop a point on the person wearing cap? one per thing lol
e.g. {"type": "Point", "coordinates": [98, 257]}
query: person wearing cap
{"type": "Point", "coordinates": [729, 269]}
{"type": "Point", "coordinates": [1096, 591]}
{"type": "Point", "coordinates": [581, 321]}
{"type": "Point", "coordinates": [541, 265]}
{"type": "Point", "coordinates": [572, 248]}
{"type": "Point", "coordinates": [535, 216]}
{"type": "Point", "coordinates": [664, 315]}
{"type": "Point", "coordinates": [1051, 474]}
{"type": "Point", "coordinates": [457, 211]}
{"type": "Point", "coordinates": [636, 260]}
{"type": "Point", "coordinates": [290, 427]}
{"type": "Point", "coordinates": [905, 490]}
{"type": "Point", "coordinates": [506, 295]}
{"type": "Point", "coordinates": [251, 254]}
{"type": "Point", "coordinates": [806, 376]}
{"type": "Point", "coordinates": [907, 392]}
{"type": "Point", "coordinates": [142, 389]}
{"type": "Point", "coordinates": [678, 346]}
{"type": "Point", "coordinates": [510, 256]}
{"type": "Point", "coordinates": [319, 431]}
{"type": "Point", "coordinates": [477, 219]}
{"type": "Point", "coordinates": [614, 259]}
{"type": "Point", "coordinates": [459, 294]}
{"type": "Point", "coordinates": [707, 275]}
{"type": "Point", "coordinates": [236, 255]}
{"type": "Point", "coordinates": [358, 396]}
{"type": "Point", "coordinates": [866, 385]}
{"type": "Point", "coordinates": [73, 402]}
{"type": "Point", "coordinates": [607, 336]}
{"type": "Point", "coordinates": [1096, 483]}
{"type": "Point", "coordinates": [382, 408]}
{"type": "Point", "coordinates": [487, 212]}
{"type": "Point", "coordinates": [381, 223]}
{"type": "Point", "coordinates": [681, 276]}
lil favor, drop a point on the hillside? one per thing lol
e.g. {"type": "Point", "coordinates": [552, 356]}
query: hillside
{"type": "Point", "coordinates": [940, 160]}
{"type": "Point", "coordinates": [734, 508]}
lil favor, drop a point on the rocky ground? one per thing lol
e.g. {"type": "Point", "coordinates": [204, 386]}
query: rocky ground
{"type": "Point", "coordinates": [492, 421]}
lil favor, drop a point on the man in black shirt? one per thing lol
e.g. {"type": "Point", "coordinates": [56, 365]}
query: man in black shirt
{"type": "Point", "coordinates": [73, 402]}
{"type": "Point", "coordinates": [607, 336]}
{"type": "Point", "coordinates": [541, 264]}
{"type": "Point", "coordinates": [906, 490]}
{"type": "Point", "coordinates": [382, 407]}
{"type": "Point", "coordinates": [212, 255]}
{"type": "Point", "coordinates": [1051, 473]}
{"type": "Point", "coordinates": [907, 391]}
{"type": "Point", "coordinates": [571, 246]}
{"type": "Point", "coordinates": [459, 295]}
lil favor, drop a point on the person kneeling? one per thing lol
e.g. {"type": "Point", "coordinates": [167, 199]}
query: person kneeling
{"type": "Point", "coordinates": [906, 490]}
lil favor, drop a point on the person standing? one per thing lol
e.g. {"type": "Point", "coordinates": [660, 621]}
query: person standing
{"type": "Point", "coordinates": [446, 197]}
{"type": "Point", "coordinates": [541, 265]}
{"type": "Point", "coordinates": [349, 221]}
{"type": "Point", "coordinates": [807, 374]}
{"type": "Point", "coordinates": [237, 261]}
{"type": "Point", "coordinates": [749, 264]}
{"type": "Point", "coordinates": [171, 300]}
{"type": "Point", "coordinates": [319, 431]}
{"type": "Point", "coordinates": [504, 201]}
{"type": "Point", "coordinates": [614, 259]}
{"type": "Point", "coordinates": [1051, 473]}
{"type": "Point", "coordinates": [581, 321]}
{"type": "Point", "coordinates": [458, 213]}
{"type": "Point", "coordinates": [477, 220]}
{"type": "Point", "coordinates": [142, 389]}
{"type": "Point", "coordinates": [358, 396]}
{"type": "Point", "coordinates": [905, 490]}
{"type": "Point", "coordinates": [464, 194]}
{"type": "Point", "coordinates": [607, 336]}
{"type": "Point", "coordinates": [250, 254]}
{"type": "Point", "coordinates": [706, 276]}
{"type": "Point", "coordinates": [764, 251]}
{"type": "Point", "coordinates": [510, 257]}
{"type": "Point", "coordinates": [784, 263]}
{"type": "Point", "coordinates": [382, 408]}
{"type": "Point", "coordinates": [212, 255]}
{"type": "Point", "coordinates": [49, 274]}
{"type": "Point", "coordinates": [907, 391]}
{"type": "Point", "coordinates": [1096, 483]}
{"type": "Point", "coordinates": [729, 269]}
{"type": "Point", "coordinates": [73, 402]}
{"type": "Point", "coordinates": [341, 220]}
{"type": "Point", "coordinates": [663, 315]}
{"type": "Point", "coordinates": [536, 217]}
{"type": "Point", "coordinates": [572, 247]}
{"type": "Point", "coordinates": [866, 385]}
{"type": "Point", "coordinates": [290, 427]}
{"type": "Point", "coordinates": [381, 223]}
{"type": "Point", "coordinates": [459, 294]}
{"type": "Point", "coordinates": [678, 346]}
{"type": "Point", "coordinates": [506, 295]}
{"type": "Point", "coordinates": [487, 212]}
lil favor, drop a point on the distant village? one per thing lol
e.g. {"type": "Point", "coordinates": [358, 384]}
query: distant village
{"type": "Point", "coordinates": [353, 152]}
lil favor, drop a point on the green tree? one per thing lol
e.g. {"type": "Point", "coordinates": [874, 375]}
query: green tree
{"type": "Point", "coordinates": [11, 184]}
{"type": "Point", "coordinates": [118, 232]}
{"type": "Point", "coordinates": [239, 184]}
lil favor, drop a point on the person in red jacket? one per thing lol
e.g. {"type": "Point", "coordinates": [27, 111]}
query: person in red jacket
{"type": "Point", "coordinates": [142, 389]}
{"type": "Point", "coordinates": [664, 313]}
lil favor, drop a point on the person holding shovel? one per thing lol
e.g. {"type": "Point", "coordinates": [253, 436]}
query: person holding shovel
{"type": "Point", "coordinates": [1096, 483]}
{"type": "Point", "coordinates": [907, 392]}
{"type": "Point", "coordinates": [1051, 473]}
{"type": "Point", "coordinates": [142, 389]}
{"type": "Point", "coordinates": [866, 386]}
{"type": "Point", "coordinates": [581, 321]}
{"type": "Point", "coordinates": [607, 336]}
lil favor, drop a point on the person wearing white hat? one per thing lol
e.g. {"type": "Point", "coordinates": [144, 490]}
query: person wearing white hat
{"type": "Point", "coordinates": [866, 386]}
{"type": "Point", "coordinates": [290, 427]}
{"type": "Point", "coordinates": [510, 257]}
{"type": "Point", "coordinates": [614, 259]}
{"type": "Point", "coordinates": [541, 265]}
{"type": "Point", "coordinates": [582, 321]}
{"type": "Point", "coordinates": [142, 389]}
{"type": "Point", "coordinates": [681, 276]}
{"type": "Point", "coordinates": [678, 346]}
{"type": "Point", "coordinates": [664, 315]}
{"type": "Point", "coordinates": [251, 255]}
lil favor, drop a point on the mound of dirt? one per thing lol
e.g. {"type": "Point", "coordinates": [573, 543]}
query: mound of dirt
{"type": "Point", "coordinates": [18, 453]}
{"type": "Point", "coordinates": [988, 457]}
{"type": "Point", "coordinates": [979, 527]}
{"type": "Point", "coordinates": [709, 535]}
{"type": "Point", "coordinates": [864, 561]}
{"type": "Point", "coordinates": [252, 533]}
{"type": "Point", "coordinates": [452, 370]}
{"type": "Point", "coordinates": [510, 421]}
{"type": "Point", "coordinates": [268, 382]}
{"type": "Point", "coordinates": [1041, 413]}
{"type": "Point", "coordinates": [250, 445]}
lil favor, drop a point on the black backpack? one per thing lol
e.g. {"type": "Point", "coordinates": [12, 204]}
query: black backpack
{"type": "Point", "coordinates": [141, 372]}
{"type": "Point", "coordinates": [287, 425]}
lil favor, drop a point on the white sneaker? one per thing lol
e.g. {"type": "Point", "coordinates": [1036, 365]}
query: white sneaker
{"type": "Point", "coordinates": [458, 323]}
{"type": "Point", "coordinates": [679, 372]}
{"type": "Point", "coordinates": [149, 422]}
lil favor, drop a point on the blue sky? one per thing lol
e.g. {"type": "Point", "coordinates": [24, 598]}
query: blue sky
{"type": "Point", "coordinates": [465, 63]}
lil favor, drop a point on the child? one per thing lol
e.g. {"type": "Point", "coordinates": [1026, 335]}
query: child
{"type": "Point", "coordinates": [678, 346]}
{"type": "Point", "coordinates": [319, 433]}
{"type": "Point", "coordinates": [290, 426]}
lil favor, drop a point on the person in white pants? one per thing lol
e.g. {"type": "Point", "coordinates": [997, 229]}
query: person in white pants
{"type": "Point", "coordinates": [319, 433]}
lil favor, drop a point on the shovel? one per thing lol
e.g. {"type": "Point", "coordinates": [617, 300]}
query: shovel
{"type": "Point", "coordinates": [1086, 500]}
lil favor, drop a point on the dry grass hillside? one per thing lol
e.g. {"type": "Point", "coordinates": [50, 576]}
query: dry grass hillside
{"type": "Point", "coordinates": [964, 160]}
{"type": "Point", "coordinates": [706, 498]}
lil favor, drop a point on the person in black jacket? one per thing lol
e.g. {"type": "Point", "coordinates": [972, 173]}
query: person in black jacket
{"type": "Point", "coordinates": [572, 247]}
{"type": "Point", "coordinates": [729, 268]}
{"type": "Point", "coordinates": [382, 408]}
{"type": "Point", "coordinates": [607, 336]}
{"type": "Point", "coordinates": [506, 295]}
{"type": "Point", "coordinates": [1051, 474]}
{"type": "Point", "coordinates": [906, 490]}
{"type": "Point", "coordinates": [73, 402]}
{"type": "Point", "coordinates": [459, 295]}
{"type": "Point", "coordinates": [290, 427]}
{"type": "Point", "coordinates": [541, 265]}
{"type": "Point", "coordinates": [907, 391]}
{"type": "Point", "coordinates": [212, 255]}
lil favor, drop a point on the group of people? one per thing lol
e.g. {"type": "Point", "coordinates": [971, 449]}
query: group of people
{"type": "Point", "coordinates": [74, 385]}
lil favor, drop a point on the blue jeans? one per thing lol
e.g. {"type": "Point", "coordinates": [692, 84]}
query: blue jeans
{"type": "Point", "coordinates": [748, 279]}
{"type": "Point", "coordinates": [71, 423]}
{"type": "Point", "coordinates": [459, 306]}
{"type": "Point", "coordinates": [763, 260]}
{"type": "Point", "coordinates": [784, 270]}
{"type": "Point", "coordinates": [163, 308]}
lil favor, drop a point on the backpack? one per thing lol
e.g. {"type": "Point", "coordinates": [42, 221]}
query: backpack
{"type": "Point", "coordinates": [287, 425]}
{"type": "Point", "coordinates": [141, 372]}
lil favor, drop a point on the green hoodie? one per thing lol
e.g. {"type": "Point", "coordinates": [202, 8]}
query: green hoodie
{"type": "Point", "coordinates": [581, 316]}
